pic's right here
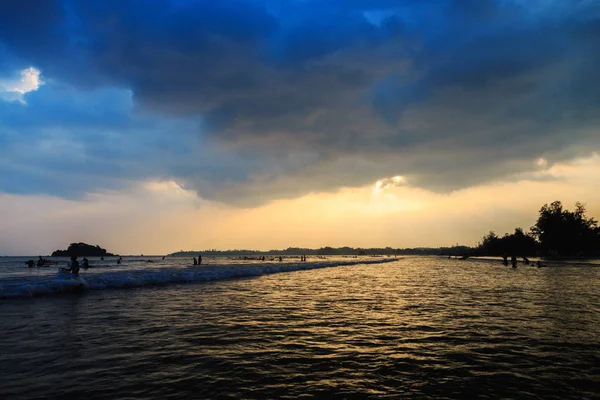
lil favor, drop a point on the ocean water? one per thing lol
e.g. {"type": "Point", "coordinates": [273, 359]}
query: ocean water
{"type": "Point", "coordinates": [416, 327]}
{"type": "Point", "coordinates": [17, 280]}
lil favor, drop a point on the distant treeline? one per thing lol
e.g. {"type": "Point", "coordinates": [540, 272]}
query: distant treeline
{"type": "Point", "coordinates": [331, 251]}
{"type": "Point", "coordinates": [558, 232]}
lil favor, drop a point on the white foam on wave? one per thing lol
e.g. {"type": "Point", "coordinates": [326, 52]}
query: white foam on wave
{"type": "Point", "coordinates": [15, 288]}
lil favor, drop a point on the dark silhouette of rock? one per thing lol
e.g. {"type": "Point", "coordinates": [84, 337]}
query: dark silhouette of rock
{"type": "Point", "coordinates": [82, 250]}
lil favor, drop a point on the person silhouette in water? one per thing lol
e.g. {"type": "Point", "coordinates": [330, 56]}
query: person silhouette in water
{"type": "Point", "coordinates": [195, 262]}
{"type": "Point", "coordinates": [199, 259]}
{"type": "Point", "coordinates": [74, 267]}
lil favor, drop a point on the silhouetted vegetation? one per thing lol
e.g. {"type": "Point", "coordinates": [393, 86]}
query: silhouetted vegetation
{"type": "Point", "coordinates": [333, 251]}
{"type": "Point", "coordinates": [518, 243]}
{"type": "Point", "coordinates": [562, 232]}
{"type": "Point", "coordinates": [558, 232]}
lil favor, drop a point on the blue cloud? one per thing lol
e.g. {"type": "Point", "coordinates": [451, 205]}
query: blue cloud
{"type": "Point", "coordinates": [227, 96]}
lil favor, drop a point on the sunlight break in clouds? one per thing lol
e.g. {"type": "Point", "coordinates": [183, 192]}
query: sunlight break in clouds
{"type": "Point", "coordinates": [15, 90]}
{"type": "Point", "coordinates": [170, 190]}
{"type": "Point", "coordinates": [388, 183]}
{"type": "Point", "coordinates": [541, 162]}
{"type": "Point", "coordinates": [157, 217]}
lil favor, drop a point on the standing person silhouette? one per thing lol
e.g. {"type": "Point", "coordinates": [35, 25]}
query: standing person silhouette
{"type": "Point", "coordinates": [199, 259]}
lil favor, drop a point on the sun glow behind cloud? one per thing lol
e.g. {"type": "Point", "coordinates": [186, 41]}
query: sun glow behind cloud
{"type": "Point", "coordinates": [161, 216]}
{"type": "Point", "coordinates": [541, 162]}
{"type": "Point", "coordinates": [169, 190]}
{"type": "Point", "coordinates": [388, 183]}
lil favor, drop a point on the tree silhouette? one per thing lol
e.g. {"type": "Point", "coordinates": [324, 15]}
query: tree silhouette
{"type": "Point", "coordinates": [561, 232]}
{"type": "Point", "coordinates": [557, 232]}
{"type": "Point", "coordinates": [519, 243]}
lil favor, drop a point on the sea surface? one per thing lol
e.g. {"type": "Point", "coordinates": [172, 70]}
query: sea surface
{"type": "Point", "coordinates": [335, 328]}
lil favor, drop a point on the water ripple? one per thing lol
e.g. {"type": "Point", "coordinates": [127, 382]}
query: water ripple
{"type": "Point", "coordinates": [416, 328]}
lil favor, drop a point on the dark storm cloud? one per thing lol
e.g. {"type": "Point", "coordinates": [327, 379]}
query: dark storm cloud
{"type": "Point", "coordinates": [312, 95]}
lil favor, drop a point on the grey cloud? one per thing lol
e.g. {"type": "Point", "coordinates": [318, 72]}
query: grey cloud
{"type": "Point", "coordinates": [307, 96]}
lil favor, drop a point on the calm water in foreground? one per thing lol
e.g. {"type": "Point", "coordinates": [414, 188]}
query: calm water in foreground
{"type": "Point", "coordinates": [416, 327]}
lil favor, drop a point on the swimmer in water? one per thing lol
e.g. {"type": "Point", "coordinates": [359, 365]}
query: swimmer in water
{"type": "Point", "coordinates": [74, 268]}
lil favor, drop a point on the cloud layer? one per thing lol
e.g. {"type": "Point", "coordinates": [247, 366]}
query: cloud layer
{"type": "Point", "coordinates": [161, 217]}
{"type": "Point", "coordinates": [246, 101]}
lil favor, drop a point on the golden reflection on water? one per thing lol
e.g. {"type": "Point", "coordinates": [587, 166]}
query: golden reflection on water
{"type": "Point", "coordinates": [424, 327]}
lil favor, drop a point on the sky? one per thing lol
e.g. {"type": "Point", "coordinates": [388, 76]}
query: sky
{"type": "Point", "coordinates": [164, 125]}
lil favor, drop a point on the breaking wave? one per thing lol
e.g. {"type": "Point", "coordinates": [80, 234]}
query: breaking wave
{"type": "Point", "coordinates": [62, 283]}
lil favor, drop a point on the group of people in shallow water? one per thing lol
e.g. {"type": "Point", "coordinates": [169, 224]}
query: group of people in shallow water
{"type": "Point", "coordinates": [261, 258]}
{"type": "Point", "coordinates": [513, 261]}
{"type": "Point", "coordinates": [74, 265]}
{"type": "Point", "coordinates": [41, 262]}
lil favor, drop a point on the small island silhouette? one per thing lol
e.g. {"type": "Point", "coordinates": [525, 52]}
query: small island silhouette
{"type": "Point", "coordinates": [82, 250]}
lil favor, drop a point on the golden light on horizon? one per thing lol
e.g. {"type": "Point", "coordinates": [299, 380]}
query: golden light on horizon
{"type": "Point", "coordinates": [162, 216]}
